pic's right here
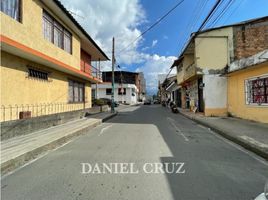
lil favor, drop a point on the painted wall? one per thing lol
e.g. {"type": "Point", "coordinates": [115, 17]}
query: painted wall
{"type": "Point", "coordinates": [29, 32]}
{"type": "Point", "coordinates": [18, 89]}
{"type": "Point", "coordinates": [213, 49]}
{"type": "Point", "coordinates": [236, 95]}
{"type": "Point", "coordinates": [215, 95]}
{"type": "Point", "coordinates": [128, 98]}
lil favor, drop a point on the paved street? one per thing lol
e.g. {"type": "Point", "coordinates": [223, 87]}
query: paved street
{"type": "Point", "coordinates": [215, 169]}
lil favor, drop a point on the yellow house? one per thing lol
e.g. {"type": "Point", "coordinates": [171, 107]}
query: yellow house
{"type": "Point", "coordinates": [199, 71]}
{"type": "Point", "coordinates": [202, 65]}
{"type": "Point", "coordinates": [248, 87]}
{"type": "Point", "coordinates": [46, 60]}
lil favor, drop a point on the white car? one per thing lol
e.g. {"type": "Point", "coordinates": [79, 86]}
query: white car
{"type": "Point", "coordinates": [263, 196]}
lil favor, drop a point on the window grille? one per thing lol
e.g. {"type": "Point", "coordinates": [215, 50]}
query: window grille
{"type": "Point", "coordinates": [256, 90]}
{"type": "Point", "coordinates": [37, 74]}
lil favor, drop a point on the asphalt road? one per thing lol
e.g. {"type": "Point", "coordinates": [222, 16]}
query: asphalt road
{"type": "Point", "coordinates": [213, 168]}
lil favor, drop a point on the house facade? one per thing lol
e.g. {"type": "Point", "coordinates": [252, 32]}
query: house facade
{"type": "Point", "coordinates": [248, 87]}
{"type": "Point", "coordinates": [123, 93]}
{"type": "Point", "coordinates": [202, 66]}
{"type": "Point", "coordinates": [46, 60]}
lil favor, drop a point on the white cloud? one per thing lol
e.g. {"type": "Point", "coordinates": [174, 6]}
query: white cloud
{"type": "Point", "coordinates": [104, 19]}
{"type": "Point", "coordinates": [153, 66]}
{"type": "Point", "coordinates": [154, 43]}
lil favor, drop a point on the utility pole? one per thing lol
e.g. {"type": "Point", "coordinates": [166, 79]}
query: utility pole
{"type": "Point", "coordinates": [113, 62]}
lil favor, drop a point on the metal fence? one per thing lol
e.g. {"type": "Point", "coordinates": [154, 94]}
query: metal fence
{"type": "Point", "coordinates": [12, 112]}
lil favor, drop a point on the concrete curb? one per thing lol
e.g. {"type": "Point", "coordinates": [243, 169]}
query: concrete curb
{"type": "Point", "coordinates": [21, 160]}
{"type": "Point", "coordinates": [257, 150]}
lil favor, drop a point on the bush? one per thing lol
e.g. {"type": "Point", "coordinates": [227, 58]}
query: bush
{"type": "Point", "coordinates": [99, 102]}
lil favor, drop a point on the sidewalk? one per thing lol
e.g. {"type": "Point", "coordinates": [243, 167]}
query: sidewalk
{"type": "Point", "coordinates": [18, 150]}
{"type": "Point", "coordinates": [251, 135]}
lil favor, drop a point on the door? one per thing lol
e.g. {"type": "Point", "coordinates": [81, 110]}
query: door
{"type": "Point", "coordinates": [200, 95]}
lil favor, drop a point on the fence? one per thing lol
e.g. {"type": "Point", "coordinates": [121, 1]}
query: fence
{"type": "Point", "coordinates": [12, 112]}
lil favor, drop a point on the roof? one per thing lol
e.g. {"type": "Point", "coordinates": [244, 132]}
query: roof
{"type": "Point", "coordinates": [235, 24]}
{"type": "Point", "coordinates": [59, 4]}
{"type": "Point", "coordinates": [194, 34]}
{"type": "Point", "coordinates": [121, 72]}
{"type": "Point", "coordinates": [252, 61]}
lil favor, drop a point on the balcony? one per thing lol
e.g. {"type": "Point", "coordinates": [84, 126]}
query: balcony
{"type": "Point", "coordinates": [86, 66]}
{"type": "Point", "coordinates": [89, 69]}
{"type": "Point", "coordinates": [189, 71]}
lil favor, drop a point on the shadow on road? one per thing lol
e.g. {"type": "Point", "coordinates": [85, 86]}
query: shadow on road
{"type": "Point", "coordinates": [213, 168]}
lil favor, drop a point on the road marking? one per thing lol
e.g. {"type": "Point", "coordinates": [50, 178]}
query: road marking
{"type": "Point", "coordinates": [104, 129]}
{"type": "Point", "coordinates": [172, 122]}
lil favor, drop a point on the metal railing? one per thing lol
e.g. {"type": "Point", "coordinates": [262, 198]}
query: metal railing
{"type": "Point", "coordinates": [91, 70]}
{"type": "Point", "coordinates": [12, 112]}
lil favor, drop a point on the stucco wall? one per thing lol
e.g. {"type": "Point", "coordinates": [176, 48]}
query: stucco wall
{"type": "Point", "coordinates": [236, 95]}
{"type": "Point", "coordinates": [215, 95]}
{"type": "Point", "coordinates": [29, 32]}
{"type": "Point", "coordinates": [128, 98]}
{"type": "Point", "coordinates": [214, 49]}
{"type": "Point", "coordinates": [18, 89]}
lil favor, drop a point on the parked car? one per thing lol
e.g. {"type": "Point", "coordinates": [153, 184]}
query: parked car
{"type": "Point", "coordinates": [147, 102]}
{"type": "Point", "coordinates": [156, 101]}
{"type": "Point", "coordinates": [264, 195]}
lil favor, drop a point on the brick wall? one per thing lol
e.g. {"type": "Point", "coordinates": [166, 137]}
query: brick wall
{"type": "Point", "coordinates": [250, 38]}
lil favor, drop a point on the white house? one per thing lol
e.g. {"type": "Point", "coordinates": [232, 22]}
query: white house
{"type": "Point", "coordinates": [124, 93]}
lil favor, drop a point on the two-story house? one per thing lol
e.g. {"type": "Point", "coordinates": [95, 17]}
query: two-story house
{"type": "Point", "coordinates": [46, 60]}
{"type": "Point", "coordinates": [202, 66]}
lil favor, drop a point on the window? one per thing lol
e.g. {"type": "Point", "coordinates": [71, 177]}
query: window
{"type": "Point", "coordinates": [108, 91]}
{"type": "Point", "coordinates": [37, 74]}
{"type": "Point", "coordinates": [121, 91]}
{"type": "Point", "coordinates": [257, 91]}
{"type": "Point", "coordinates": [11, 8]}
{"type": "Point", "coordinates": [55, 33]}
{"type": "Point", "coordinates": [76, 92]}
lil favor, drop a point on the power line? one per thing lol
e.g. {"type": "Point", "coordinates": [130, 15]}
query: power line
{"type": "Point", "coordinates": [231, 14]}
{"type": "Point", "coordinates": [194, 21]}
{"type": "Point", "coordinates": [153, 25]}
{"type": "Point", "coordinates": [227, 6]}
{"type": "Point", "coordinates": [211, 12]}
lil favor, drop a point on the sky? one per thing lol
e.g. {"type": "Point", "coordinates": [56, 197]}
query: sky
{"type": "Point", "coordinates": [155, 51]}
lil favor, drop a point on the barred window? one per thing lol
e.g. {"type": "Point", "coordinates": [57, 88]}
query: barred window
{"type": "Point", "coordinates": [257, 91]}
{"type": "Point", "coordinates": [76, 91]}
{"type": "Point", "coordinates": [37, 74]}
{"type": "Point", "coordinates": [55, 33]}
{"type": "Point", "coordinates": [11, 8]}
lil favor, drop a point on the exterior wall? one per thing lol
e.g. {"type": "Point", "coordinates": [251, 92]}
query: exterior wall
{"type": "Point", "coordinates": [251, 38]}
{"type": "Point", "coordinates": [18, 89]}
{"type": "Point", "coordinates": [236, 95]}
{"type": "Point", "coordinates": [128, 98]}
{"type": "Point", "coordinates": [188, 66]}
{"type": "Point", "coordinates": [214, 92]}
{"type": "Point", "coordinates": [29, 33]}
{"type": "Point", "coordinates": [213, 49]}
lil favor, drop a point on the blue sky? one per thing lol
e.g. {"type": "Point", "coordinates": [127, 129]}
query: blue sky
{"type": "Point", "coordinates": [155, 51]}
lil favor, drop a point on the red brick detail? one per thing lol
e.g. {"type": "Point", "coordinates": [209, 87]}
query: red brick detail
{"type": "Point", "coordinates": [250, 39]}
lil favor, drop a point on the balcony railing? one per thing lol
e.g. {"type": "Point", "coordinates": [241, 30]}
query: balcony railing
{"type": "Point", "coordinates": [91, 70]}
